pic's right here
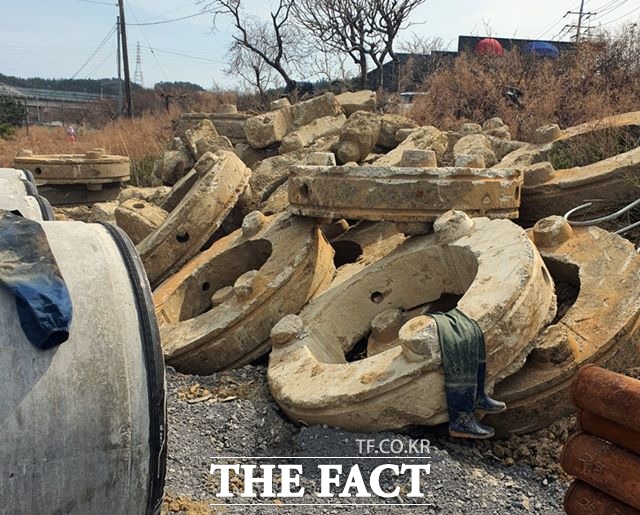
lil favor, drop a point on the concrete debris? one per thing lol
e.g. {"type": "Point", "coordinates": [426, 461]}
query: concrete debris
{"type": "Point", "coordinates": [357, 101]}
{"type": "Point", "coordinates": [358, 137]}
{"type": "Point", "coordinates": [227, 123]}
{"type": "Point", "coordinates": [306, 135]}
{"type": "Point", "coordinates": [218, 310]}
{"type": "Point", "coordinates": [139, 218]}
{"type": "Point", "coordinates": [391, 124]}
{"type": "Point", "coordinates": [104, 212]}
{"type": "Point", "coordinates": [155, 195]}
{"type": "Point", "coordinates": [267, 129]}
{"type": "Point", "coordinates": [196, 218]}
{"type": "Point", "coordinates": [263, 240]}
{"type": "Point", "coordinates": [315, 383]}
{"type": "Point", "coordinates": [476, 145]}
{"type": "Point", "coordinates": [425, 138]}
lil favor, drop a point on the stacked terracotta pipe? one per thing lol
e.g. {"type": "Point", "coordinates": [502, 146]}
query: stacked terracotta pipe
{"type": "Point", "coordinates": [604, 456]}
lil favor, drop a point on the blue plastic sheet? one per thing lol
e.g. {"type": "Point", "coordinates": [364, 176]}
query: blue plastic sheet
{"type": "Point", "coordinates": [28, 269]}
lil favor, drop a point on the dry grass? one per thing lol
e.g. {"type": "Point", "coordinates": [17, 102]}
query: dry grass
{"type": "Point", "coordinates": [141, 139]}
{"type": "Point", "coordinates": [594, 81]}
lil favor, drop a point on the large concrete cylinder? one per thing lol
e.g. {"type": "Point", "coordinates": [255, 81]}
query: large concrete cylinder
{"type": "Point", "coordinates": [18, 193]}
{"type": "Point", "coordinates": [83, 425]}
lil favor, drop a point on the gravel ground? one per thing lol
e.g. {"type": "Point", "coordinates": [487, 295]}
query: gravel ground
{"type": "Point", "coordinates": [233, 414]}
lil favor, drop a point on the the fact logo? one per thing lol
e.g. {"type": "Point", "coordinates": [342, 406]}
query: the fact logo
{"type": "Point", "coordinates": [383, 469]}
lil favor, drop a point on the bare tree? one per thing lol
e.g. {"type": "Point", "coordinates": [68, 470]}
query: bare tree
{"type": "Point", "coordinates": [340, 26]}
{"type": "Point", "coordinates": [364, 29]}
{"type": "Point", "coordinates": [274, 43]}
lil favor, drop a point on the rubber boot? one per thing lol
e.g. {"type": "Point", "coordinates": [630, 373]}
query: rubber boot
{"type": "Point", "coordinates": [484, 403]}
{"type": "Point", "coordinates": [462, 421]}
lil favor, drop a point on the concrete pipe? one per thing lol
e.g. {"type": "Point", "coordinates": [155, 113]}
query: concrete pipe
{"type": "Point", "coordinates": [83, 425]}
{"type": "Point", "coordinates": [18, 193]}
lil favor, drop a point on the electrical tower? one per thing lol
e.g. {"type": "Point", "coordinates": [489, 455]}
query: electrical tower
{"type": "Point", "coordinates": [579, 26]}
{"type": "Point", "coordinates": [137, 75]}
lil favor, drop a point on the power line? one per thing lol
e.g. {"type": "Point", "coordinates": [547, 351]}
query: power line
{"type": "Point", "coordinates": [97, 2]}
{"type": "Point", "coordinates": [193, 57]}
{"type": "Point", "coordinates": [147, 40]}
{"type": "Point", "coordinates": [620, 17]}
{"type": "Point", "coordinates": [172, 20]}
{"type": "Point", "coordinates": [102, 43]}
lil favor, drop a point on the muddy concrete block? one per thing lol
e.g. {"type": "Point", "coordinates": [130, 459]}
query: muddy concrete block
{"type": "Point", "coordinates": [416, 157]}
{"type": "Point", "coordinates": [307, 134]}
{"type": "Point", "coordinates": [173, 165]}
{"type": "Point", "coordinates": [321, 159]}
{"type": "Point", "coordinates": [468, 161]}
{"type": "Point", "coordinates": [203, 134]}
{"type": "Point", "coordinates": [139, 218]}
{"type": "Point", "coordinates": [279, 104]}
{"type": "Point", "coordinates": [391, 124]}
{"type": "Point", "coordinates": [547, 133]}
{"type": "Point", "coordinates": [155, 195]}
{"type": "Point", "coordinates": [251, 156]}
{"type": "Point", "coordinates": [475, 145]}
{"type": "Point", "coordinates": [278, 201]}
{"type": "Point", "coordinates": [357, 101]}
{"type": "Point", "coordinates": [538, 173]}
{"type": "Point", "coordinates": [470, 128]}
{"type": "Point", "coordinates": [195, 218]}
{"type": "Point", "coordinates": [274, 271]}
{"type": "Point", "coordinates": [266, 129]}
{"type": "Point", "coordinates": [103, 212]}
{"type": "Point", "coordinates": [425, 138]}
{"type": "Point", "coordinates": [358, 137]}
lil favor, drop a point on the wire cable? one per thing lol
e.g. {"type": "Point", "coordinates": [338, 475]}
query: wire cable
{"type": "Point", "coordinates": [209, 11]}
{"type": "Point", "coordinates": [130, 6]}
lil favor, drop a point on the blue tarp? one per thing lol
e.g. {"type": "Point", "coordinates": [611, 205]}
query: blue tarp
{"type": "Point", "coordinates": [542, 48]}
{"type": "Point", "coordinates": [28, 269]}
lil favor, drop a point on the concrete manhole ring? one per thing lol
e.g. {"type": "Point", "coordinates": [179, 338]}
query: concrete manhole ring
{"type": "Point", "coordinates": [92, 168]}
{"type": "Point", "coordinates": [602, 326]}
{"type": "Point", "coordinates": [198, 215]}
{"type": "Point", "coordinates": [604, 168]}
{"type": "Point", "coordinates": [218, 310]}
{"type": "Point", "coordinates": [504, 285]}
{"type": "Point", "coordinates": [403, 194]}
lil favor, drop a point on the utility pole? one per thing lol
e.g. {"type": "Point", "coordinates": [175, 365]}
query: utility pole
{"type": "Point", "coordinates": [119, 72]}
{"type": "Point", "coordinates": [125, 60]}
{"type": "Point", "coordinates": [581, 17]}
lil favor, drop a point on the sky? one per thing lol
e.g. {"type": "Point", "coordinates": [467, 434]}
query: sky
{"type": "Point", "coordinates": [62, 38]}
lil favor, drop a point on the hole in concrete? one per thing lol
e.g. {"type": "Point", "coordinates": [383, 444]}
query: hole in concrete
{"type": "Point", "coordinates": [194, 296]}
{"type": "Point", "coordinates": [304, 190]}
{"type": "Point", "coordinates": [377, 297]}
{"type": "Point", "coordinates": [338, 328]}
{"type": "Point", "coordinates": [139, 205]}
{"type": "Point", "coordinates": [446, 302]}
{"type": "Point", "coordinates": [38, 171]}
{"type": "Point", "coordinates": [566, 277]}
{"type": "Point", "coordinates": [517, 192]}
{"type": "Point", "coordinates": [345, 252]}
{"type": "Point", "coordinates": [594, 146]}
{"type": "Point", "coordinates": [183, 237]}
